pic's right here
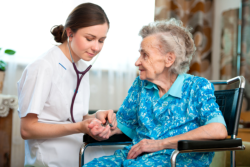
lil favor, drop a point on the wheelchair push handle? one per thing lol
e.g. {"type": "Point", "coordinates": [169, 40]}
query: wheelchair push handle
{"type": "Point", "coordinates": [240, 79]}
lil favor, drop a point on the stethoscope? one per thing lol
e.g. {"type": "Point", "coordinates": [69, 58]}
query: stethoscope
{"type": "Point", "coordinates": [79, 78]}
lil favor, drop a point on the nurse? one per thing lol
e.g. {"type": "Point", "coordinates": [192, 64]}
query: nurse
{"type": "Point", "coordinates": [47, 86]}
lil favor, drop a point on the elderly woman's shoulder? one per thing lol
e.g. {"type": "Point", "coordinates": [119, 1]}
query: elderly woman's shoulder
{"type": "Point", "coordinates": [197, 80]}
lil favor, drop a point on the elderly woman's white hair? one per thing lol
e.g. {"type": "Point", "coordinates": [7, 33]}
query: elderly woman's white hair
{"type": "Point", "coordinates": [173, 37]}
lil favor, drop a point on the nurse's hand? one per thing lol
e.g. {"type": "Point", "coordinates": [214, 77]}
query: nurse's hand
{"type": "Point", "coordinates": [97, 131]}
{"type": "Point", "coordinates": [109, 115]}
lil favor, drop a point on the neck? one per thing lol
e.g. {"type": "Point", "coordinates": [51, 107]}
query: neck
{"type": "Point", "coordinates": [65, 49]}
{"type": "Point", "coordinates": [165, 82]}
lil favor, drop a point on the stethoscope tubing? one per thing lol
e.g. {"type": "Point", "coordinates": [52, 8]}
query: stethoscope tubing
{"type": "Point", "coordinates": [79, 78]}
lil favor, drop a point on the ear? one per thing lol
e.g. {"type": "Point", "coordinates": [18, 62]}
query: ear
{"type": "Point", "coordinates": [69, 33]}
{"type": "Point", "coordinates": [170, 59]}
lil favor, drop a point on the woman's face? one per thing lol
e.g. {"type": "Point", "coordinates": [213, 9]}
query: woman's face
{"type": "Point", "coordinates": [87, 42]}
{"type": "Point", "coordinates": [151, 62]}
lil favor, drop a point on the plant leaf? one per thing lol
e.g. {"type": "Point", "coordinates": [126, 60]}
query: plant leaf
{"type": "Point", "coordinates": [9, 52]}
{"type": "Point", "coordinates": [2, 62]}
{"type": "Point", "coordinates": [2, 65]}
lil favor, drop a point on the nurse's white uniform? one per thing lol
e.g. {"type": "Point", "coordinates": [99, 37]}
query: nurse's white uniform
{"type": "Point", "coordinates": [46, 89]}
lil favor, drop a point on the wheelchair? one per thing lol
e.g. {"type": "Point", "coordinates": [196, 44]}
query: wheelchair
{"type": "Point", "coordinates": [230, 103]}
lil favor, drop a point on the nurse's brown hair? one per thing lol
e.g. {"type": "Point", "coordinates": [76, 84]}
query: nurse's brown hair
{"type": "Point", "coordinates": [84, 15]}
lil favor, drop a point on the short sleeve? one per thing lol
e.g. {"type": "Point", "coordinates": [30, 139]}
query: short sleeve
{"type": "Point", "coordinates": [34, 87]}
{"type": "Point", "coordinates": [208, 109]}
{"type": "Point", "coordinates": [127, 114]}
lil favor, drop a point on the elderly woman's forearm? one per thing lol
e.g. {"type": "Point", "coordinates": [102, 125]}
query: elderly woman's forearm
{"type": "Point", "coordinates": [211, 131]}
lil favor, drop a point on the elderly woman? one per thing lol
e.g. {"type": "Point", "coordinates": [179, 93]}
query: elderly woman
{"type": "Point", "coordinates": [164, 104]}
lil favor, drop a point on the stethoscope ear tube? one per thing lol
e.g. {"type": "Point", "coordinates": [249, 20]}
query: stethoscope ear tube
{"type": "Point", "coordinates": [79, 78]}
{"type": "Point", "coordinates": [77, 83]}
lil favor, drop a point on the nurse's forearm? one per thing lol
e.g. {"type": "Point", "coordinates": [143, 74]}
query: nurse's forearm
{"type": "Point", "coordinates": [32, 129]}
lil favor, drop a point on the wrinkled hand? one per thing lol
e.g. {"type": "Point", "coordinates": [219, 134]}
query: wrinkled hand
{"type": "Point", "coordinates": [145, 145]}
{"type": "Point", "coordinates": [97, 131]}
{"type": "Point", "coordinates": [109, 115]}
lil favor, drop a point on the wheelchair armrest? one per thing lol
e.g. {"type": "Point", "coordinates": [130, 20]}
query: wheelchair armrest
{"type": "Point", "coordinates": [114, 138]}
{"type": "Point", "coordinates": [208, 144]}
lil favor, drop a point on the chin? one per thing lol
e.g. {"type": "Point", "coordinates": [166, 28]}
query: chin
{"type": "Point", "coordinates": [87, 58]}
{"type": "Point", "coordinates": [142, 77]}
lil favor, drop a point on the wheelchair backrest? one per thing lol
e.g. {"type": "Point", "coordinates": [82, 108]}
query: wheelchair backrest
{"type": "Point", "coordinates": [230, 102]}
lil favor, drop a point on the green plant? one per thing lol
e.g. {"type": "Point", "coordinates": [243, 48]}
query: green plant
{"type": "Point", "coordinates": [2, 63]}
{"type": "Point", "coordinates": [9, 52]}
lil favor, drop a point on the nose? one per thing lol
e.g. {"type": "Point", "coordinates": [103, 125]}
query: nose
{"type": "Point", "coordinates": [96, 46]}
{"type": "Point", "coordinates": [138, 62]}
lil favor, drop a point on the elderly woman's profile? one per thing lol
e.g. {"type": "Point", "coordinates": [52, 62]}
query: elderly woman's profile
{"type": "Point", "coordinates": [165, 104]}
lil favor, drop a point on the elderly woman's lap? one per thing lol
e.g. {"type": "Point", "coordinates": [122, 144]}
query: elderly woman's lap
{"type": "Point", "coordinates": [106, 161]}
{"type": "Point", "coordinates": [121, 160]}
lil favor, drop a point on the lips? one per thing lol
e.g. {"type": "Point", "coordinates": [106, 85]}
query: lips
{"type": "Point", "coordinates": [91, 54]}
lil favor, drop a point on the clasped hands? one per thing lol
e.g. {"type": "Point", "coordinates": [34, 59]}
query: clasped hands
{"type": "Point", "coordinates": [100, 127]}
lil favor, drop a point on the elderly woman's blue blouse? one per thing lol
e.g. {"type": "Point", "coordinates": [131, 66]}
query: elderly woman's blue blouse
{"type": "Point", "coordinates": [189, 104]}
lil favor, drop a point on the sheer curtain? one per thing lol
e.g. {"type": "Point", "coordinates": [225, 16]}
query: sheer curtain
{"type": "Point", "coordinates": [114, 71]}
{"type": "Point", "coordinates": [25, 27]}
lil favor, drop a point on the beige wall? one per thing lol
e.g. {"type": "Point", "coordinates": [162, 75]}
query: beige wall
{"type": "Point", "coordinates": [219, 7]}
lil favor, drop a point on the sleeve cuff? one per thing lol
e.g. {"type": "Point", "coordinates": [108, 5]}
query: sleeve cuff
{"type": "Point", "coordinates": [218, 119]}
{"type": "Point", "coordinates": [127, 131]}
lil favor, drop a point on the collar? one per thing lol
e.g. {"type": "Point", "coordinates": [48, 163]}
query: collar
{"type": "Point", "coordinates": [175, 90]}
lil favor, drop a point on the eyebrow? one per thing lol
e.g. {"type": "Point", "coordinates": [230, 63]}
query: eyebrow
{"type": "Point", "coordinates": [142, 50]}
{"type": "Point", "coordinates": [95, 36]}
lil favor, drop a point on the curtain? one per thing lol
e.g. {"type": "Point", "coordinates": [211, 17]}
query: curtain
{"type": "Point", "coordinates": [196, 14]}
{"type": "Point", "coordinates": [228, 62]}
{"type": "Point", "coordinates": [245, 52]}
{"type": "Point", "coordinates": [114, 71]}
{"type": "Point", "coordinates": [234, 41]}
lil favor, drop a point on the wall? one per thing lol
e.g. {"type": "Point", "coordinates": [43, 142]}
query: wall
{"type": "Point", "coordinates": [219, 7]}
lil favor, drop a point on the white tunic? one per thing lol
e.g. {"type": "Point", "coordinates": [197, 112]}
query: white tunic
{"type": "Point", "coordinates": [46, 89]}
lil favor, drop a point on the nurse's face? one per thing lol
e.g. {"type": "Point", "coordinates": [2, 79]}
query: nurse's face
{"type": "Point", "coordinates": [87, 42]}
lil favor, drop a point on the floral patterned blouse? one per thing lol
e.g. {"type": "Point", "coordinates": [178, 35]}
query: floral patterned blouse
{"type": "Point", "coordinates": [189, 104]}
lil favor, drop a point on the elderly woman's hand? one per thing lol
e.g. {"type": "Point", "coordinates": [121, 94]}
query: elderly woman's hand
{"type": "Point", "coordinates": [98, 131]}
{"type": "Point", "coordinates": [145, 145]}
{"type": "Point", "coordinates": [104, 115]}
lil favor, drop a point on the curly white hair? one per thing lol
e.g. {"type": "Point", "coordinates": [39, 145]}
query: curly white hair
{"type": "Point", "coordinates": [173, 37]}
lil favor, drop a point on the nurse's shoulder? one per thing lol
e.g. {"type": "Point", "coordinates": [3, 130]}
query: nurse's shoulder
{"type": "Point", "coordinates": [43, 65]}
